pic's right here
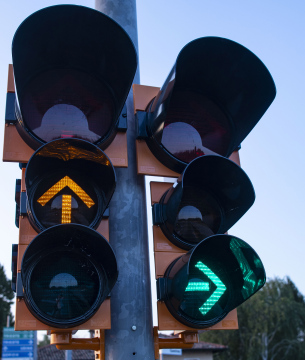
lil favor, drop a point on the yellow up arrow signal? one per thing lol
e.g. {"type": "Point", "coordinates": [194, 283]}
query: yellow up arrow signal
{"type": "Point", "coordinates": [66, 199]}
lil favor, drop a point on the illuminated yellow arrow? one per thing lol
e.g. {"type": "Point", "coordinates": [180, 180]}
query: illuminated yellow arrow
{"type": "Point", "coordinates": [66, 199]}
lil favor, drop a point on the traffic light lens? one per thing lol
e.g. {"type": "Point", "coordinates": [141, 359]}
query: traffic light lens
{"type": "Point", "coordinates": [65, 285]}
{"type": "Point", "coordinates": [250, 266]}
{"type": "Point", "coordinates": [205, 284]}
{"type": "Point", "coordinates": [68, 181]}
{"type": "Point", "coordinates": [72, 76]}
{"type": "Point", "coordinates": [208, 198]}
{"type": "Point", "coordinates": [73, 105]}
{"type": "Point", "coordinates": [65, 200]}
{"type": "Point", "coordinates": [205, 294]}
{"type": "Point", "coordinates": [67, 272]}
{"type": "Point", "coordinates": [194, 124]}
{"type": "Point", "coordinates": [199, 216]}
{"type": "Point", "coordinates": [214, 95]}
{"type": "Point", "coordinates": [231, 263]}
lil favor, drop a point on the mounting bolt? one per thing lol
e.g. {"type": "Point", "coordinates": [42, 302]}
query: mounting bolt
{"type": "Point", "coordinates": [134, 328]}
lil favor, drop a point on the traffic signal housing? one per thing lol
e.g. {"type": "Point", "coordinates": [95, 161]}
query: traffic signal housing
{"type": "Point", "coordinates": [72, 79]}
{"type": "Point", "coordinates": [201, 287]}
{"type": "Point", "coordinates": [213, 97]}
{"type": "Point", "coordinates": [65, 106]}
{"type": "Point", "coordinates": [209, 197]}
{"type": "Point", "coordinates": [68, 270]}
{"type": "Point", "coordinates": [69, 79]}
{"type": "Point", "coordinates": [68, 181]}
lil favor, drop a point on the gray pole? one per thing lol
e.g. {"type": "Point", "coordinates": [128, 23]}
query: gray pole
{"type": "Point", "coordinates": [131, 334]}
{"type": "Point", "coordinates": [68, 354]}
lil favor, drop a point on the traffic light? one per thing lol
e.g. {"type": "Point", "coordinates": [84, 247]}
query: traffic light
{"type": "Point", "coordinates": [201, 287]}
{"type": "Point", "coordinates": [72, 81]}
{"type": "Point", "coordinates": [220, 272]}
{"type": "Point", "coordinates": [66, 125]}
{"type": "Point", "coordinates": [213, 97]}
{"type": "Point", "coordinates": [68, 269]}
{"type": "Point", "coordinates": [67, 272]}
{"type": "Point", "coordinates": [211, 195]}
{"type": "Point", "coordinates": [79, 169]}
{"type": "Point", "coordinates": [191, 130]}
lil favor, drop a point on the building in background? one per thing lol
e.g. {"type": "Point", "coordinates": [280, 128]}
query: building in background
{"type": "Point", "coordinates": [199, 351]}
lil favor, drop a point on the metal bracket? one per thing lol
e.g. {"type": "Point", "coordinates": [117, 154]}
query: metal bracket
{"type": "Point", "coordinates": [160, 289]}
{"type": "Point", "coordinates": [148, 180]}
{"type": "Point", "coordinates": [64, 341]}
{"type": "Point", "coordinates": [22, 165]}
{"type": "Point", "coordinates": [10, 116]}
{"type": "Point", "coordinates": [23, 210]}
{"type": "Point", "coordinates": [17, 200]}
{"type": "Point", "coordinates": [19, 289]}
{"type": "Point", "coordinates": [122, 125]}
{"type": "Point", "coordinates": [183, 340]}
{"type": "Point", "coordinates": [140, 118]}
{"type": "Point", "coordinates": [156, 213]}
{"type": "Point", "coordinates": [14, 267]}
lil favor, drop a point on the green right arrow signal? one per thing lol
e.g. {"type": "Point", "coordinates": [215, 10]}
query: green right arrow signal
{"type": "Point", "coordinates": [204, 286]}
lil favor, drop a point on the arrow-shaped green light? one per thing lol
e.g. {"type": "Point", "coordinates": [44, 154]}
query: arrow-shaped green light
{"type": "Point", "coordinates": [204, 286]}
{"type": "Point", "coordinates": [251, 282]}
{"type": "Point", "coordinates": [198, 286]}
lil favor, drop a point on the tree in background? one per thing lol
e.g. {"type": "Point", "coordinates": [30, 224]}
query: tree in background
{"type": "Point", "coordinates": [44, 341]}
{"type": "Point", "coordinates": [271, 326]}
{"type": "Point", "coordinates": [6, 295]}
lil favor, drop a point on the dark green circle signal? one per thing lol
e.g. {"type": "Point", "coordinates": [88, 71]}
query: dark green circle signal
{"type": "Point", "coordinates": [68, 181]}
{"type": "Point", "coordinates": [201, 287]}
{"type": "Point", "coordinates": [67, 272]}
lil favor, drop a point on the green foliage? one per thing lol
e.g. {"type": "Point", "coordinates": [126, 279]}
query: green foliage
{"type": "Point", "coordinates": [271, 326]}
{"type": "Point", "coordinates": [6, 295]}
{"type": "Point", "coordinates": [44, 341]}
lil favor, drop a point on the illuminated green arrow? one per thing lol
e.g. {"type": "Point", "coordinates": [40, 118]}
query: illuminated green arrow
{"type": "Point", "coordinates": [204, 286]}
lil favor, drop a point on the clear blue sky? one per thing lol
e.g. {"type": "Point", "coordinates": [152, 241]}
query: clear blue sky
{"type": "Point", "coordinates": [272, 155]}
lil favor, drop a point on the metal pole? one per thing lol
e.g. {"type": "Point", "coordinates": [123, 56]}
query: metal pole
{"type": "Point", "coordinates": [124, 12]}
{"type": "Point", "coordinates": [68, 354]}
{"type": "Point", "coordinates": [131, 334]}
{"type": "Point", "coordinates": [35, 346]}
